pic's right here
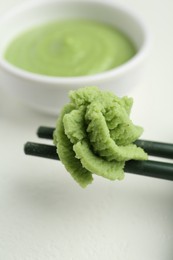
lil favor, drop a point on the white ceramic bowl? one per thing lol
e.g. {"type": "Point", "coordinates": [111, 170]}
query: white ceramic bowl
{"type": "Point", "coordinates": [49, 94]}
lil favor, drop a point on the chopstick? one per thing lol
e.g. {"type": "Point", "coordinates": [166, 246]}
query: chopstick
{"type": "Point", "coordinates": [148, 168]}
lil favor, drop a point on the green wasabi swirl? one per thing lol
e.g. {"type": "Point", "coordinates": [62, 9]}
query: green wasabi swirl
{"type": "Point", "coordinates": [94, 134]}
{"type": "Point", "coordinates": [70, 48]}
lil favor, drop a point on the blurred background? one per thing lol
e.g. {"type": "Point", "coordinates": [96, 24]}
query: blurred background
{"type": "Point", "coordinates": [44, 215]}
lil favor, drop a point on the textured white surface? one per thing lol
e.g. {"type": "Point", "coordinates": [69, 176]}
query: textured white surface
{"type": "Point", "coordinates": [44, 215]}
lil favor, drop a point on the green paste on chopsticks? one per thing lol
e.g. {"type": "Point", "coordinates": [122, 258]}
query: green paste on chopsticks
{"type": "Point", "coordinates": [94, 135]}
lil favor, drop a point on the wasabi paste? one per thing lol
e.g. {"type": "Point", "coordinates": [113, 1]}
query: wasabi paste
{"type": "Point", "coordinates": [70, 48]}
{"type": "Point", "coordinates": [94, 135]}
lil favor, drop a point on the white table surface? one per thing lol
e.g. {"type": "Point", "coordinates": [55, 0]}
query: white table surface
{"type": "Point", "coordinates": [45, 215]}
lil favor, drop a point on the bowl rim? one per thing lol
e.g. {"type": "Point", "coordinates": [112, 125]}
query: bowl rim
{"type": "Point", "coordinates": [102, 76]}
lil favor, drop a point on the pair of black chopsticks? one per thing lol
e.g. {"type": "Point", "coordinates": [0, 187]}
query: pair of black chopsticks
{"type": "Point", "coordinates": [150, 168]}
